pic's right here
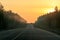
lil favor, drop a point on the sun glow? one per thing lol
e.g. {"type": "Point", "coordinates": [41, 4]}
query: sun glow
{"type": "Point", "coordinates": [50, 10]}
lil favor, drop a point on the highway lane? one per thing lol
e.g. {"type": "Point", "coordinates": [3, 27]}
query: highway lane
{"type": "Point", "coordinates": [28, 33]}
{"type": "Point", "coordinates": [10, 34]}
{"type": "Point", "coordinates": [30, 26]}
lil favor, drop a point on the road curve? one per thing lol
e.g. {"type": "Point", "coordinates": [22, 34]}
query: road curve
{"type": "Point", "coordinates": [28, 33]}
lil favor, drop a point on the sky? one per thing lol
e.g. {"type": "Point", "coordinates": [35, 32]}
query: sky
{"type": "Point", "coordinates": [30, 10]}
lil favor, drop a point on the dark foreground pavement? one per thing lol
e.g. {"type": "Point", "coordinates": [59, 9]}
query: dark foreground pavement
{"type": "Point", "coordinates": [28, 33]}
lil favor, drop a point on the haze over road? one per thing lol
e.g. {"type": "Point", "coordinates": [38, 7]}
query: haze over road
{"type": "Point", "coordinates": [28, 33]}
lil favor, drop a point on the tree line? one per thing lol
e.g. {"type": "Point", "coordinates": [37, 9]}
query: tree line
{"type": "Point", "coordinates": [49, 21]}
{"type": "Point", "coordinates": [10, 20]}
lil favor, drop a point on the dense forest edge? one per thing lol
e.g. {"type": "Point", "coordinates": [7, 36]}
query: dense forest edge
{"type": "Point", "coordinates": [49, 21]}
{"type": "Point", "coordinates": [10, 20]}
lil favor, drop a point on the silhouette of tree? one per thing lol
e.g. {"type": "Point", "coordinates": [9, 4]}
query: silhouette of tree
{"type": "Point", "coordinates": [2, 22]}
{"type": "Point", "coordinates": [56, 9]}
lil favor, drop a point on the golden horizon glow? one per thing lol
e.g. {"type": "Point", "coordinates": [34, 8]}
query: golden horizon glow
{"type": "Point", "coordinates": [30, 10]}
{"type": "Point", "coordinates": [50, 10]}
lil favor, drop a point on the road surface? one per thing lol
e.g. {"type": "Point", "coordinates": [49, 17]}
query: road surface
{"type": "Point", "coordinates": [28, 33]}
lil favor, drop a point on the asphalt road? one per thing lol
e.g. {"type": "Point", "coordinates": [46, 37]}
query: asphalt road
{"type": "Point", "coordinates": [28, 33]}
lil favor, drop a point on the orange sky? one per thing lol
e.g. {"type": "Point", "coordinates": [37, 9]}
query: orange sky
{"type": "Point", "coordinates": [30, 10]}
